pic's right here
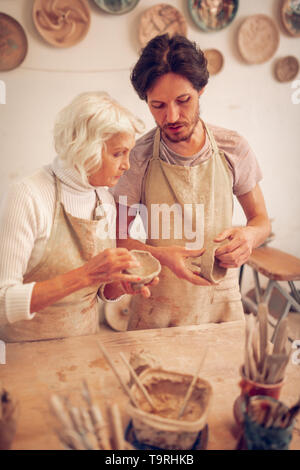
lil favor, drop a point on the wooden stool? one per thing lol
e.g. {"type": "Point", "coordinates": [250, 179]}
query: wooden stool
{"type": "Point", "coordinates": [277, 266]}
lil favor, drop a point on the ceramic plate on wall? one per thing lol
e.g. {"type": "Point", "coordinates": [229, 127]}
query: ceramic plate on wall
{"type": "Point", "coordinates": [290, 14]}
{"type": "Point", "coordinates": [116, 7]}
{"type": "Point", "coordinates": [258, 39]}
{"type": "Point", "coordinates": [13, 43]}
{"type": "Point", "coordinates": [213, 15]}
{"type": "Point", "coordinates": [62, 23]}
{"type": "Point", "coordinates": [161, 19]}
{"type": "Point", "coordinates": [287, 68]}
{"type": "Point", "coordinates": [215, 61]}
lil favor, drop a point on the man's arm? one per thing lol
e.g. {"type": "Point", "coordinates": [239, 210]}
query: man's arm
{"type": "Point", "coordinates": [242, 240]}
{"type": "Point", "coordinates": [171, 256]}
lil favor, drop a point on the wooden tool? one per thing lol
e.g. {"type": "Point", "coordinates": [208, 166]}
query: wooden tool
{"type": "Point", "coordinates": [117, 427]}
{"type": "Point", "coordinates": [192, 385]}
{"type": "Point", "coordinates": [262, 315]}
{"type": "Point", "coordinates": [138, 382]}
{"type": "Point", "coordinates": [121, 381]}
{"type": "Point", "coordinates": [99, 424]}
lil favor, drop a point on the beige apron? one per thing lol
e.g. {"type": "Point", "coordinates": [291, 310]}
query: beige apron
{"type": "Point", "coordinates": [175, 301]}
{"type": "Point", "coordinates": [73, 241]}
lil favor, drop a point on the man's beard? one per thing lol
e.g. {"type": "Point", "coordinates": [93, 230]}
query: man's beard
{"type": "Point", "coordinates": [182, 136]}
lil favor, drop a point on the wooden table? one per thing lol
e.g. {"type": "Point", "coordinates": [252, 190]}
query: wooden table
{"type": "Point", "coordinates": [35, 370]}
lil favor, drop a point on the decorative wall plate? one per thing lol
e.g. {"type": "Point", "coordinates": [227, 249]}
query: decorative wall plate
{"type": "Point", "coordinates": [62, 23]}
{"type": "Point", "coordinates": [258, 39]}
{"type": "Point", "coordinates": [213, 15]}
{"type": "Point", "coordinates": [287, 68]}
{"type": "Point", "coordinates": [161, 19]}
{"type": "Point", "coordinates": [215, 60]}
{"type": "Point", "coordinates": [290, 14]}
{"type": "Point", "coordinates": [116, 7]}
{"type": "Point", "coordinates": [13, 43]}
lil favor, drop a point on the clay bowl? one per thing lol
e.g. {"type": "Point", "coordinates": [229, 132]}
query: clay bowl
{"type": "Point", "coordinates": [161, 428]}
{"type": "Point", "coordinates": [149, 268]}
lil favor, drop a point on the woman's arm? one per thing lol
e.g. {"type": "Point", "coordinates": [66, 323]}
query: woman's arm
{"type": "Point", "coordinates": [22, 223]}
{"type": "Point", "coordinates": [106, 267]}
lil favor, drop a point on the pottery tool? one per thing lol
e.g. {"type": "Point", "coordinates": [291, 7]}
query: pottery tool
{"type": "Point", "coordinates": [138, 382]}
{"type": "Point", "coordinates": [262, 314]}
{"type": "Point", "coordinates": [281, 336]}
{"type": "Point", "coordinates": [117, 427]}
{"type": "Point", "coordinates": [192, 385]}
{"type": "Point", "coordinates": [121, 381]}
{"type": "Point", "coordinates": [262, 364]}
{"type": "Point", "coordinates": [99, 425]}
{"type": "Point", "coordinates": [80, 428]}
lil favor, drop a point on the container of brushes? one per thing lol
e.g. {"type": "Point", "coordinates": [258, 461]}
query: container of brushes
{"type": "Point", "coordinates": [259, 436]}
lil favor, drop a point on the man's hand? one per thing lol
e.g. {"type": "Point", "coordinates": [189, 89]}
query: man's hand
{"type": "Point", "coordinates": [174, 258]}
{"type": "Point", "coordinates": [239, 248]}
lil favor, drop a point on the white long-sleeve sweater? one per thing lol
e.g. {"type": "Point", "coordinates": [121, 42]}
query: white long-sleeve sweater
{"type": "Point", "coordinates": [26, 217]}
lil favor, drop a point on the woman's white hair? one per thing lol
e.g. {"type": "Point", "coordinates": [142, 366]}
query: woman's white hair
{"type": "Point", "coordinates": [82, 127]}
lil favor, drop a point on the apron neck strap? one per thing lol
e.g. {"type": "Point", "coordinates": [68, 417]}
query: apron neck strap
{"type": "Point", "coordinates": [211, 138]}
{"type": "Point", "coordinates": [155, 155]}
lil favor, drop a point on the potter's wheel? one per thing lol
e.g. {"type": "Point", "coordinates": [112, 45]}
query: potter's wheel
{"type": "Point", "coordinates": [200, 443]}
{"type": "Point", "coordinates": [117, 313]}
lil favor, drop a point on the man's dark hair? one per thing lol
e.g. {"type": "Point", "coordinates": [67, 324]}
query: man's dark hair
{"type": "Point", "coordinates": [164, 55]}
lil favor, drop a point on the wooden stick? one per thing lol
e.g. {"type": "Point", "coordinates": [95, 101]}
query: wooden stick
{"type": "Point", "coordinates": [262, 315]}
{"type": "Point", "coordinates": [117, 427]}
{"type": "Point", "coordinates": [138, 382]}
{"type": "Point", "coordinates": [100, 426]}
{"type": "Point", "coordinates": [192, 385]}
{"type": "Point", "coordinates": [121, 381]}
{"type": "Point", "coordinates": [281, 336]}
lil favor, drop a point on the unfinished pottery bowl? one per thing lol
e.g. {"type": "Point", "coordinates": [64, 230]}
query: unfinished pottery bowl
{"type": "Point", "coordinates": [161, 428]}
{"type": "Point", "coordinates": [149, 267]}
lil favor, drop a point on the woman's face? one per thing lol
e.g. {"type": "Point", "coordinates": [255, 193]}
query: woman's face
{"type": "Point", "coordinates": [115, 160]}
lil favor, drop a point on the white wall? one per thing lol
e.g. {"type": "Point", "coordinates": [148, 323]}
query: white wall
{"type": "Point", "coordinates": [242, 97]}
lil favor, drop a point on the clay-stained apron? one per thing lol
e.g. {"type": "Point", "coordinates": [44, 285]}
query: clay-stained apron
{"type": "Point", "coordinates": [73, 241]}
{"type": "Point", "coordinates": [174, 301]}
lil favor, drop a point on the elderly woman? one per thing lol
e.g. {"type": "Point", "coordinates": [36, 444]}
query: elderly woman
{"type": "Point", "coordinates": [57, 227]}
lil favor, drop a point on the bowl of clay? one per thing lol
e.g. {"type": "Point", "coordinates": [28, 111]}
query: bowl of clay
{"type": "Point", "coordinates": [161, 427]}
{"type": "Point", "coordinates": [148, 269]}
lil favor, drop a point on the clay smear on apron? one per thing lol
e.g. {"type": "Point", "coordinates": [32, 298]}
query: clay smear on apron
{"type": "Point", "coordinates": [73, 241]}
{"type": "Point", "coordinates": [174, 301]}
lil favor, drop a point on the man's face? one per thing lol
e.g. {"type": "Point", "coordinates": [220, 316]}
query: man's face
{"type": "Point", "coordinates": [174, 104]}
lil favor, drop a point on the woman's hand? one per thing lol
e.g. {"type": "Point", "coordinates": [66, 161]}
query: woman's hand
{"type": "Point", "coordinates": [107, 267]}
{"type": "Point", "coordinates": [144, 290]}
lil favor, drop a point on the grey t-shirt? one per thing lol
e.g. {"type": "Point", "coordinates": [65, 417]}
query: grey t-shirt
{"type": "Point", "coordinates": [240, 157]}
